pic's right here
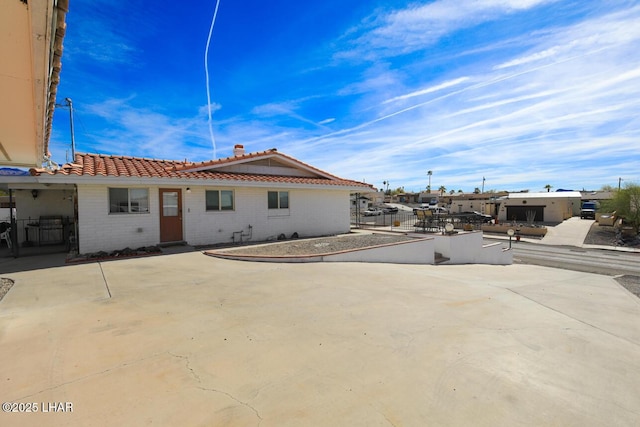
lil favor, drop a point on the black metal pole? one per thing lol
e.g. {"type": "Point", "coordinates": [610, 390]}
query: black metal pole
{"type": "Point", "coordinates": [14, 227]}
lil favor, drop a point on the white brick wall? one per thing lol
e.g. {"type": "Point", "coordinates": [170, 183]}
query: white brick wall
{"type": "Point", "coordinates": [310, 213]}
{"type": "Point", "coordinates": [99, 230]}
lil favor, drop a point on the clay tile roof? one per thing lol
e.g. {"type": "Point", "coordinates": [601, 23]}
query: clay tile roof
{"type": "Point", "coordinates": [99, 165]}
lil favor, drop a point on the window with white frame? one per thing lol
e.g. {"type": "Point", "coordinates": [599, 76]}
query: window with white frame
{"type": "Point", "coordinates": [278, 199]}
{"type": "Point", "coordinates": [128, 200]}
{"type": "Point", "coordinates": [219, 200]}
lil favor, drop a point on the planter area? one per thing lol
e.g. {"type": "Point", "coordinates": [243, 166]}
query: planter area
{"type": "Point", "coordinates": [522, 230]}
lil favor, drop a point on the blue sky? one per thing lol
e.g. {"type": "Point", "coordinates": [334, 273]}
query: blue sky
{"type": "Point", "coordinates": [521, 92]}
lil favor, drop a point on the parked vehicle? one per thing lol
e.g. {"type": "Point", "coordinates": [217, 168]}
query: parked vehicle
{"type": "Point", "coordinates": [390, 210]}
{"type": "Point", "coordinates": [588, 210]}
{"type": "Point", "coordinates": [474, 216]}
{"type": "Point", "coordinates": [372, 212]}
{"type": "Point", "coordinates": [438, 210]}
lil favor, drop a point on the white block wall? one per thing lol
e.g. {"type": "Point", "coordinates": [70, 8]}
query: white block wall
{"type": "Point", "coordinates": [310, 213]}
{"type": "Point", "coordinates": [100, 231]}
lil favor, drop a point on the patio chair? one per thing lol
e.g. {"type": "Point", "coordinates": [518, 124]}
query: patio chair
{"type": "Point", "coordinates": [425, 218]}
{"type": "Point", "coordinates": [6, 236]}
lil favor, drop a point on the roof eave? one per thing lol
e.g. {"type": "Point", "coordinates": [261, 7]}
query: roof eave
{"type": "Point", "coordinates": [251, 157]}
{"type": "Point", "coordinates": [183, 182]}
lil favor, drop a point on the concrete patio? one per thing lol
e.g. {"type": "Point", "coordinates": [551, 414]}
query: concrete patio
{"type": "Point", "coordinates": [188, 339]}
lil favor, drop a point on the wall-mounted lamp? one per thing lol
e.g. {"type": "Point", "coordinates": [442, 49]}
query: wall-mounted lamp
{"type": "Point", "coordinates": [34, 193]}
{"type": "Point", "coordinates": [188, 190]}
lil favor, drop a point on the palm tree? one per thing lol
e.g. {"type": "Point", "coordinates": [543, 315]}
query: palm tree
{"type": "Point", "coordinates": [429, 173]}
{"type": "Point", "coordinates": [387, 184]}
{"type": "Point", "coordinates": [442, 190]}
{"type": "Point", "coordinates": [548, 187]}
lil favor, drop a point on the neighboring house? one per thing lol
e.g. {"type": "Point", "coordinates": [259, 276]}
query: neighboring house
{"type": "Point", "coordinates": [359, 203]}
{"type": "Point", "coordinates": [115, 202]}
{"type": "Point", "coordinates": [408, 197]}
{"type": "Point", "coordinates": [486, 203]}
{"type": "Point", "coordinates": [543, 206]}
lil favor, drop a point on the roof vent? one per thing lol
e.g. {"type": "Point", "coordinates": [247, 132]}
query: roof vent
{"type": "Point", "coordinates": [238, 150]}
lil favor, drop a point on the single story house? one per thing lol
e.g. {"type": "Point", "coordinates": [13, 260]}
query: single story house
{"type": "Point", "coordinates": [542, 207]}
{"type": "Point", "coordinates": [106, 202]}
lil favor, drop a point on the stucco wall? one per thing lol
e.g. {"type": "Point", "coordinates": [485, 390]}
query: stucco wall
{"type": "Point", "coordinates": [419, 251]}
{"type": "Point", "coordinates": [555, 209]}
{"type": "Point", "coordinates": [468, 248]}
{"type": "Point", "coordinates": [48, 202]}
{"type": "Point", "coordinates": [311, 213]}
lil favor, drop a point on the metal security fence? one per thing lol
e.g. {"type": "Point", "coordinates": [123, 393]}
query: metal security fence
{"type": "Point", "coordinates": [419, 221]}
{"type": "Point", "coordinates": [46, 234]}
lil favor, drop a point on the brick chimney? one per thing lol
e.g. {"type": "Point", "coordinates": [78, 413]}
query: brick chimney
{"type": "Point", "coordinates": [238, 150]}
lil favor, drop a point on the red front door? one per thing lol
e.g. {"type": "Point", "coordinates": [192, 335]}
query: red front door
{"type": "Point", "coordinates": [170, 215]}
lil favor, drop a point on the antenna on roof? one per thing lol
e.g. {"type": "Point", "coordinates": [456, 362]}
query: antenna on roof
{"type": "Point", "coordinates": [68, 103]}
{"type": "Point", "coordinates": [206, 72]}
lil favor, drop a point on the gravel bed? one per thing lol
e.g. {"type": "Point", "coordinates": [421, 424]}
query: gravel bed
{"type": "Point", "coordinates": [631, 283]}
{"type": "Point", "coordinates": [5, 285]}
{"type": "Point", "coordinates": [319, 246]}
{"type": "Point", "coordinates": [601, 235]}
{"type": "Point", "coordinates": [606, 235]}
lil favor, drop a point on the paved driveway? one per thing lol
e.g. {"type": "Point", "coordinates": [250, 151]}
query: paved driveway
{"type": "Point", "coordinates": [193, 340]}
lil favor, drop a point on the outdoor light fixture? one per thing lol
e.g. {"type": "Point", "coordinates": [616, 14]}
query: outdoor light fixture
{"type": "Point", "coordinates": [34, 193]}
{"type": "Point", "coordinates": [189, 190]}
{"type": "Point", "coordinates": [510, 232]}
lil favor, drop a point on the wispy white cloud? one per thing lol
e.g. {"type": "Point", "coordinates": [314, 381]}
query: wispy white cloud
{"type": "Point", "coordinates": [131, 130]}
{"type": "Point", "coordinates": [428, 90]}
{"type": "Point", "coordinates": [421, 25]}
{"type": "Point", "coordinates": [204, 110]}
{"type": "Point", "coordinates": [570, 102]}
{"type": "Point", "coordinates": [102, 39]}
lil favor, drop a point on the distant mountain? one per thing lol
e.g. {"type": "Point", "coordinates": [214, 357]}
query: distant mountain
{"type": "Point", "coordinates": [12, 172]}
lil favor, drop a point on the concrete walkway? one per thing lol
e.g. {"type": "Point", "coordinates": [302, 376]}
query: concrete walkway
{"type": "Point", "coordinates": [570, 232]}
{"type": "Point", "coordinates": [188, 339]}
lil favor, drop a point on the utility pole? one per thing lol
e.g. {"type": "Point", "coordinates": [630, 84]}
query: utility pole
{"type": "Point", "coordinates": [619, 182]}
